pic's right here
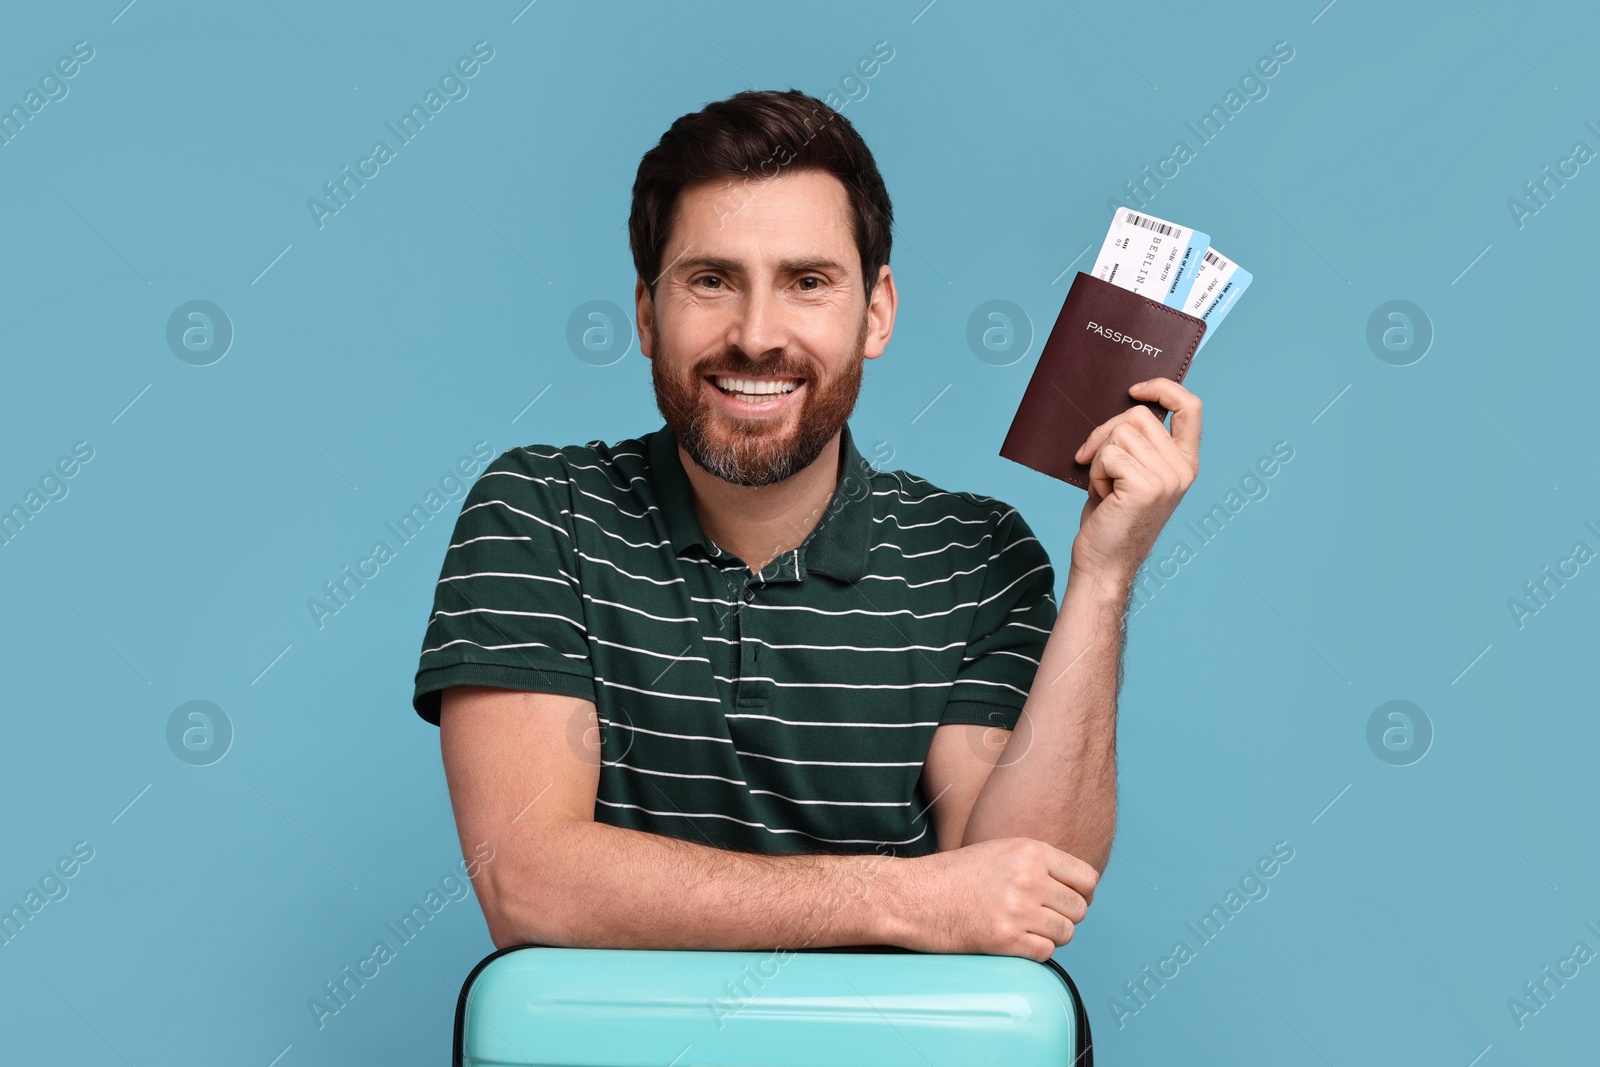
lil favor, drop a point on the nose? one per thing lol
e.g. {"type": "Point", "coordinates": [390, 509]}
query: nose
{"type": "Point", "coordinates": [760, 326]}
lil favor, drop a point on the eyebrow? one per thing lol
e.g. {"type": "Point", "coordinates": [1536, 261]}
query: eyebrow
{"type": "Point", "coordinates": [787, 266]}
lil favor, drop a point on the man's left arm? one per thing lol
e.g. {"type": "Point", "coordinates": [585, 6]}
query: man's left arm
{"type": "Point", "coordinates": [1056, 778]}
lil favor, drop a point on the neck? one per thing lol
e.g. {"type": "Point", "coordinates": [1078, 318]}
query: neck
{"type": "Point", "coordinates": [760, 523]}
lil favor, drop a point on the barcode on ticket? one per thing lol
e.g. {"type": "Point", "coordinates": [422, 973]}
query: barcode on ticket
{"type": "Point", "coordinates": [1164, 229]}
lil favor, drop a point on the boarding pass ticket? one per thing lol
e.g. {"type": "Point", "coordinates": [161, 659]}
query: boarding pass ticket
{"type": "Point", "coordinates": [1218, 284]}
{"type": "Point", "coordinates": [1172, 263]}
{"type": "Point", "coordinates": [1150, 256]}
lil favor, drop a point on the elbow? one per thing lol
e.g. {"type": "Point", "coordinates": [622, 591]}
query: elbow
{"type": "Point", "coordinates": [1098, 855]}
{"type": "Point", "coordinates": [524, 905]}
{"type": "Point", "coordinates": [503, 913]}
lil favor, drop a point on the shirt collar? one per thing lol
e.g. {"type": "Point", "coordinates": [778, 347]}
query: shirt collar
{"type": "Point", "coordinates": [837, 545]}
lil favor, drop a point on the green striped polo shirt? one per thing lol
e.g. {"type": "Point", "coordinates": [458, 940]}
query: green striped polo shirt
{"type": "Point", "coordinates": [780, 713]}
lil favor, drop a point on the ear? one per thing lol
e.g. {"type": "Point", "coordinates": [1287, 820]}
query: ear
{"type": "Point", "coordinates": [880, 314]}
{"type": "Point", "coordinates": [644, 311]}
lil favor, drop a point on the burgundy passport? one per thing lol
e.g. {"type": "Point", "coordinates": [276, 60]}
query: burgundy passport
{"type": "Point", "coordinates": [1105, 339]}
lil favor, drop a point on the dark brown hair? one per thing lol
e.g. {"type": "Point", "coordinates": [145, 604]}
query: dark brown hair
{"type": "Point", "coordinates": [758, 134]}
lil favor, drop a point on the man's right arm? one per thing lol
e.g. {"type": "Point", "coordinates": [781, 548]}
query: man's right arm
{"type": "Point", "coordinates": [524, 768]}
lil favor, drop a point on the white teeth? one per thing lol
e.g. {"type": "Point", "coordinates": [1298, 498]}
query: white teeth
{"type": "Point", "coordinates": [751, 387]}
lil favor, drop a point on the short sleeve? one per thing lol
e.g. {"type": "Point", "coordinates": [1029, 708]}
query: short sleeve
{"type": "Point", "coordinates": [506, 611]}
{"type": "Point", "coordinates": [1011, 624]}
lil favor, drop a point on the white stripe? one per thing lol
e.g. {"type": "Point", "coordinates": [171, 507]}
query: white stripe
{"type": "Point", "coordinates": [810, 722]}
{"type": "Point", "coordinates": [980, 681]}
{"type": "Point", "coordinates": [839, 803]}
{"type": "Point", "coordinates": [764, 826]}
{"type": "Point", "coordinates": [524, 644]}
{"type": "Point", "coordinates": [654, 693]}
{"type": "Point", "coordinates": [630, 514]}
{"type": "Point", "coordinates": [844, 648]}
{"type": "Point", "coordinates": [641, 577]}
{"type": "Point", "coordinates": [501, 503]}
{"type": "Point", "coordinates": [952, 544]}
{"type": "Point", "coordinates": [996, 517]}
{"type": "Point", "coordinates": [672, 774]}
{"type": "Point", "coordinates": [931, 552]}
{"type": "Point", "coordinates": [506, 611]}
{"type": "Point", "coordinates": [588, 466]}
{"type": "Point", "coordinates": [490, 537]}
{"type": "Point", "coordinates": [976, 498]}
{"type": "Point", "coordinates": [827, 685]}
{"type": "Point", "coordinates": [648, 652]}
{"type": "Point", "coordinates": [766, 792]}
{"type": "Point", "coordinates": [756, 605]}
{"type": "Point", "coordinates": [1000, 652]}
{"type": "Point", "coordinates": [825, 763]}
{"type": "Point", "coordinates": [1024, 574]}
{"type": "Point", "coordinates": [925, 497]}
{"type": "Point", "coordinates": [944, 518]}
{"type": "Point", "coordinates": [952, 576]}
{"type": "Point", "coordinates": [596, 467]}
{"type": "Point", "coordinates": [658, 733]}
{"type": "Point", "coordinates": [619, 537]}
{"type": "Point", "coordinates": [527, 477]}
{"type": "Point", "coordinates": [621, 488]}
{"type": "Point", "coordinates": [906, 476]}
{"type": "Point", "coordinates": [566, 579]}
{"type": "Point", "coordinates": [584, 492]}
{"type": "Point", "coordinates": [641, 611]}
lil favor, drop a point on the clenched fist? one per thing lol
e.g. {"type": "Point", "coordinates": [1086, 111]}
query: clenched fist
{"type": "Point", "coordinates": [1011, 896]}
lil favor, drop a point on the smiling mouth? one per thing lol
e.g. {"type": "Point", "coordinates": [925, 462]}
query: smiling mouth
{"type": "Point", "coordinates": [754, 390]}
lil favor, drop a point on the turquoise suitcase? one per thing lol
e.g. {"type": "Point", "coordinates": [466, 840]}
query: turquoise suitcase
{"type": "Point", "coordinates": [878, 1006]}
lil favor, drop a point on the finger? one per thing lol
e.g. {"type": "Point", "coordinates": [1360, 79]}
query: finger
{"type": "Point", "coordinates": [1185, 466]}
{"type": "Point", "coordinates": [1105, 467]}
{"type": "Point", "coordinates": [1036, 947]}
{"type": "Point", "coordinates": [1113, 464]}
{"type": "Point", "coordinates": [1185, 408]}
{"type": "Point", "coordinates": [1174, 459]}
{"type": "Point", "coordinates": [1068, 901]}
{"type": "Point", "coordinates": [1092, 442]}
{"type": "Point", "coordinates": [1063, 930]}
{"type": "Point", "coordinates": [1161, 390]}
{"type": "Point", "coordinates": [1135, 439]}
{"type": "Point", "coordinates": [1073, 872]}
{"type": "Point", "coordinates": [1097, 435]}
{"type": "Point", "coordinates": [1052, 924]}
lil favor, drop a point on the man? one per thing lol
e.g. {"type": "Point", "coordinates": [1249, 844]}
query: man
{"type": "Point", "coordinates": [726, 686]}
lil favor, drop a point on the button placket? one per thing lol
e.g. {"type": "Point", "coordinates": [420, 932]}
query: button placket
{"type": "Point", "coordinates": [749, 692]}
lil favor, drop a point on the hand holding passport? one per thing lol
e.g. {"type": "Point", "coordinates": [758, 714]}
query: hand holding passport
{"type": "Point", "coordinates": [1156, 290]}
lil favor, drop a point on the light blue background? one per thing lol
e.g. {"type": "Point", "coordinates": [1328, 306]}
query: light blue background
{"type": "Point", "coordinates": [429, 312]}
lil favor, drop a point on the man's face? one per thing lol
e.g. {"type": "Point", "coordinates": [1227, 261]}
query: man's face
{"type": "Point", "coordinates": [761, 289]}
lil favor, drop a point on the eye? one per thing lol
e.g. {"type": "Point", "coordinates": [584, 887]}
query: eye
{"type": "Point", "coordinates": [709, 278]}
{"type": "Point", "coordinates": [812, 278]}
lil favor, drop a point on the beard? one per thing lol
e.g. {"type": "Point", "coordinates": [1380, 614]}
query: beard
{"type": "Point", "coordinates": [754, 451]}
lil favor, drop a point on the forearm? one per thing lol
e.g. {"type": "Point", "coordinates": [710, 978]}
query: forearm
{"type": "Point", "coordinates": [1061, 787]}
{"type": "Point", "coordinates": [592, 885]}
